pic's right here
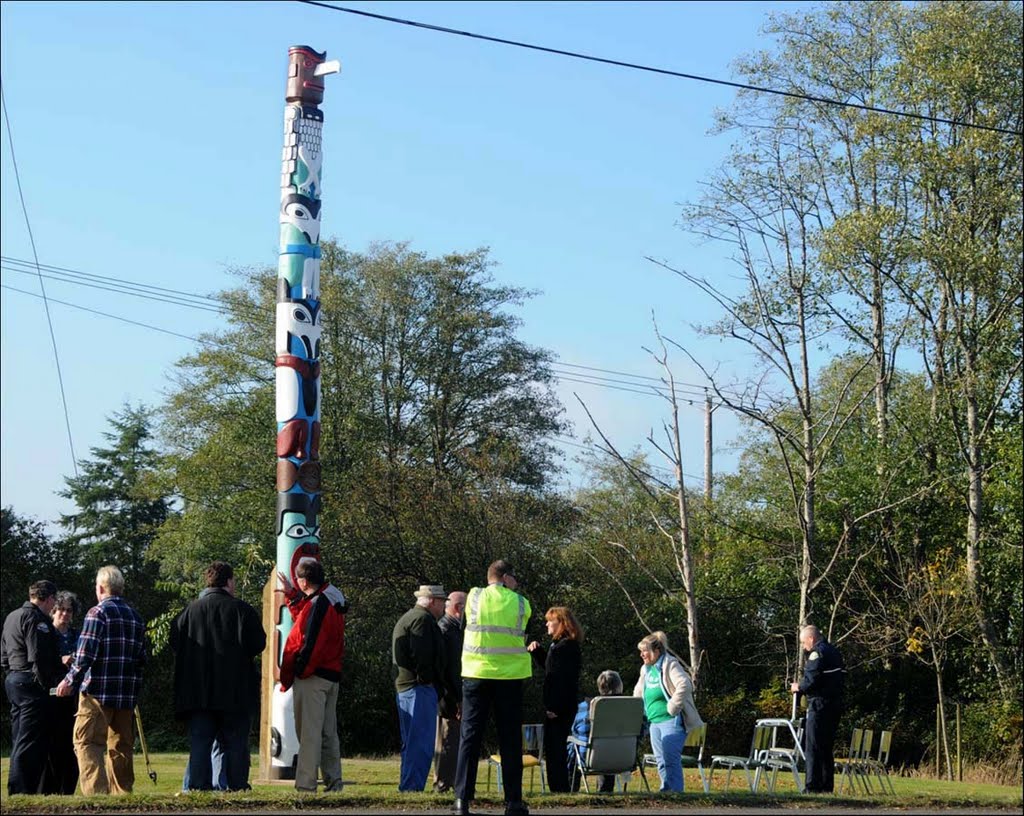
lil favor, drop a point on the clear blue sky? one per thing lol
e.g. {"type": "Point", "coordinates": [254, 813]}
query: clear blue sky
{"type": "Point", "coordinates": [148, 139]}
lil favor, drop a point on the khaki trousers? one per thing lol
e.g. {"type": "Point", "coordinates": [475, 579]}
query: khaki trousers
{"type": "Point", "coordinates": [446, 753]}
{"type": "Point", "coordinates": [316, 724]}
{"type": "Point", "coordinates": [104, 740]}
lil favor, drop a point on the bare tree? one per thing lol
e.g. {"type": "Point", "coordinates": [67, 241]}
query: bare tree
{"type": "Point", "coordinates": [678, 536]}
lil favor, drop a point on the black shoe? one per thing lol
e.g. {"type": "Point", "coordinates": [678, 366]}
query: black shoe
{"type": "Point", "coordinates": [516, 809]}
{"type": "Point", "coordinates": [461, 808]}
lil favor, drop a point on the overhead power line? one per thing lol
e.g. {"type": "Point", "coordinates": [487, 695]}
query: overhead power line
{"type": "Point", "coordinates": [75, 273]}
{"type": "Point", "coordinates": [118, 289]}
{"type": "Point", "coordinates": [650, 69]}
{"type": "Point", "coordinates": [613, 384]}
{"type": "Point", "coordinates": [42, 286]}
{"type": "Point", "coordinates": [636, 383]}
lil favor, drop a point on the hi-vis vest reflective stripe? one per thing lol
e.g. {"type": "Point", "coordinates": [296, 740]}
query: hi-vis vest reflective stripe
{"type": "Point", "coordinates": [494, 644]}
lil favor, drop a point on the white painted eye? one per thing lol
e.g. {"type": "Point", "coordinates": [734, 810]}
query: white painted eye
{"type": "Point", "coordinates": [298, 531]}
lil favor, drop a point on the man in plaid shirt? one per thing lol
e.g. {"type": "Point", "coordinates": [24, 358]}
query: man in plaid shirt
{"type": "Point", "coordinates": [108, 669]}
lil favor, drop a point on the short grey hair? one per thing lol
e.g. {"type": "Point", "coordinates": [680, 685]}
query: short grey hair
{"type": "Point", "coordinates": [111, 579]}
{"type": "Point", "coordinates": [609, 683]}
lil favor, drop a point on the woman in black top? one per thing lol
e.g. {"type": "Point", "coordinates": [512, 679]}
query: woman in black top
{"type": "Point", "coordinates": [61, 772]}
{"type": "Point", "coordinates": [561, 664]}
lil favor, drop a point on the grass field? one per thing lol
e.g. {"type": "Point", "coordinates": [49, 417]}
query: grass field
{"type": "Point", "coordinates": [372, 783]}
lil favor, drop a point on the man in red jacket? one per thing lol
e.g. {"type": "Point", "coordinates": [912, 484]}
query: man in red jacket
{"type": "Point", "coordinates": [313, 655]}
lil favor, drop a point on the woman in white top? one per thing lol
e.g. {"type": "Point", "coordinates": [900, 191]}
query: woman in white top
{"type": "Point", "coordinates": [666, 688]}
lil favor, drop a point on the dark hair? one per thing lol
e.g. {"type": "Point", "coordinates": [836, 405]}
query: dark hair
{"type": "Point", "coordinates": [218, 574]}
{"type": "Point", "coordinates": [312, 571]}
{"type": "Point", "coordinates": [499, 569]}
{"type": "Point", "coordinates": [41, 590]}
{"type": "Point", "coordinates": [68, 601]}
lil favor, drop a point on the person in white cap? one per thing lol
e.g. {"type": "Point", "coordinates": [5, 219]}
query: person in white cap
{"type": "Point", "coordinates": [418, 653]}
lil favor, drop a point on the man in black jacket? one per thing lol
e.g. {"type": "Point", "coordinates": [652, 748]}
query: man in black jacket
{"type": "Point", "coordinates": [449, 709]}
{"type": "Point", "coordinates": [31, 664]}
{"type": "Point", "coordinates": [823, 681]}
{"type": "Point", "coordinates": [215, 683]}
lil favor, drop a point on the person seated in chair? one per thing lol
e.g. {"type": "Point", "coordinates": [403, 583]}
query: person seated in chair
{"type": "Point", "coordinates": [609, 684]}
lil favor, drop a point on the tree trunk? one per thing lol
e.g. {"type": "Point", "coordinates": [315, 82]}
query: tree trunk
{"type": "Point", "coordinates": [975, 496]}
{"type": "Point", "coordinates": [942, 743]}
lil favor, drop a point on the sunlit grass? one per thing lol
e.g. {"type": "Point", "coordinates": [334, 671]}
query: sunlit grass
{"type": "Point", "coordinates": [373, 783]}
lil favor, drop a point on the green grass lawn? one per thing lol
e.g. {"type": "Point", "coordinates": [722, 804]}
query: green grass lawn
{"type": "Point", "coordinates": [373, 783]}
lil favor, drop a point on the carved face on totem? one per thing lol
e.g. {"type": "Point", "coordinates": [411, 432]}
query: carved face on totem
{"type": "Point", "coordinates": [303, 213]}
{"type": "Point", "coordinates": [298, 328]}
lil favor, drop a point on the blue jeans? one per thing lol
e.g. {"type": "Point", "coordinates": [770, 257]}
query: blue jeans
{"type": "Point", "coordinates": [417, 720]}
{"type": "Point", "coordinates": [667, 740]}
{"type": "Point", "coordinates": [220, 779]}
{"type": "Point", "coordinates": [229, 731]}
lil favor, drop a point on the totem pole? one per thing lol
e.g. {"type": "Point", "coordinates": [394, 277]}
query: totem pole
{"type": "Point", "coordinates": [297, 374]}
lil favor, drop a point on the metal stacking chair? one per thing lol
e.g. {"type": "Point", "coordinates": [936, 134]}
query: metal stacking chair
{"type": "Point", "coordinates": [779, 758]}
{"type": "Point", "coordinates": [533, 756]}
{"type": "Point", "coordinates": [615, 727]}
{"type": "Point", "coordinates": [693, 755]}
{"type": "Point", "coordinates": [879, 764]}
{"type": "Point", "coordinates": [854, 763]}
{"type": "Point", "coordinates": [847, 762]}
{"type": "Point", "coordinates": [863, 771]}
{"type": "Point", "coordinates": [759, 745]}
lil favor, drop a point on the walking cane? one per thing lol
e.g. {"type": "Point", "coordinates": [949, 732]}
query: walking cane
{"type": "Point", "coordinates": [145, 750]}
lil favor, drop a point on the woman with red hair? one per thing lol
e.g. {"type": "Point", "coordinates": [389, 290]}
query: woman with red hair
{"type": "Point", "coordinates": [561, 663]}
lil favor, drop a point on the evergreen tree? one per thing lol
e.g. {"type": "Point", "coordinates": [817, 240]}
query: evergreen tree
{"type": "Point", "coordinates": [117, 513]}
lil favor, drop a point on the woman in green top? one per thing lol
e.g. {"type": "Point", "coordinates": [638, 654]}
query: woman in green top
{"type": "Point", "coordinates": [667, 691]}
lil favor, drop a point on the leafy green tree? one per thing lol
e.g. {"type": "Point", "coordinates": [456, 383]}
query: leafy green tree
{"type": "Point", "coordinates": [30, 554]}
{"type": "Point", "coordinates": [962, 63]}
{"type": "Point", "coordinates": [434, 449]}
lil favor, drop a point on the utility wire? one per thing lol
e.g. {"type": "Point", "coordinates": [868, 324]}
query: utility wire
{"type": "Point", "coordinates": [574, 377]}
{"type": "Point", "coordinates": [117, 289]}
{"type": "Point", "coordinates": [591, 448]}
{"type": "Point", "coordinates": [209, 300]}
{"type": "Point", "coordinates": [201, 341]}
{"type": "Point", "coordinates": [650, 69]}
{"type": "Point", "coordinates": [638, 383]}
{"type": "Point", "coordinates": [42, 286]}
{"type": "Point", "coordinates": [217, 345]}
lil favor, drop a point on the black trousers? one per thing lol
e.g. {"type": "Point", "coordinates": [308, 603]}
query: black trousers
{"type": "Point", "coordinates": [556, 731]}
{"type": "Point", "coordinates": [478, 697]}
{"type": "Point", "coordinates": [30, 731]}
{"type": "Point", "coordinates": [819, 739]}
{"type": "Point", "coordinates": [61, 774]}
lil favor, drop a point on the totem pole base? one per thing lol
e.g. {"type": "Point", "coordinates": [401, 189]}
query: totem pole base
{"type": "Point", "coordinates": [268, 772]}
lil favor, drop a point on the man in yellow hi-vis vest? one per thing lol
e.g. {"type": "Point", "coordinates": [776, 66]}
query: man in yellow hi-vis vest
{"type": "Point", "coordinates": [494, 664]}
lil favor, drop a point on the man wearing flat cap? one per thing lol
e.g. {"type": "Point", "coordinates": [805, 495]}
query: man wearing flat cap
{"type": "Point", "coordinates": [418, 653]}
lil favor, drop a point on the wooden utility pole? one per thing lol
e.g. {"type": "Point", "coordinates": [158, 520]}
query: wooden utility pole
{"type": "Point", "coordinates": [708, 470]}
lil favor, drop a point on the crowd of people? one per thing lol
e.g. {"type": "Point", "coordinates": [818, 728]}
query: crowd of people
{"type": "Point", "coordinates": [457, 657]}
